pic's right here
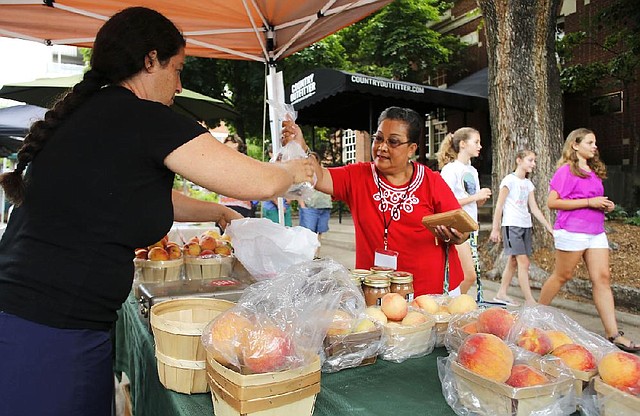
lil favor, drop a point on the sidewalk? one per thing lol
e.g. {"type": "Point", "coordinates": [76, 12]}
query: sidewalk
{"type": "Point", "coordinates": [339, 244]}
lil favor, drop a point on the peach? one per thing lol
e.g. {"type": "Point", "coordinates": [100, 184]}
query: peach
{"type": "Point", "coordinates": [141, 253]}
{"type": "Point", "coordinates": [157, 244]}
{"type": "Point", "coordinates": [192, 249]}
{"type": "Point", "coordinates": [206, 254]}
{"type": "Point", "coordinates": [462, 304]}
{"type": "Point", "coordinates": [486, 355]}
{"type": "Point", "coordinates": [158, 254]}
{"type": "Point", "coordinates": [496, 321]}
{"type": "Point", "coordinates": [394, 306]}
{"type": "Point", "coordinates": [208, 243]}
{"type": "Point", "coordinates": [341, 323]}
{"type": "Point", "coordinates": [470, 328]}
{"type": "Point", "coordinates": [426, 303]}
{"type": "Point", "coordinates": [376, 314]}
{"type": "Point", "coordinates": [174, 251]}
{"type": "Point", "coordinates": [194, 239]}
{"type": "Point", "coordinates": [211, 233]}
{"type": "Point", "coordinates": [414, 318]}
{"type": "Point", "coordinates": [558, 338]}
{"type": "Point", "coordinates": [228, 334]}
{"type": "Point", "coordinates": [535, 340]}
{"type": "Point", "coordinates": [267, 349]}
{"type": "Point", "coordinates": [365, 325]}
{"type": "Point", "coordinates": [223, 250]}
{"type": "Point", "coordinates": [576, 357]}
{"type": "Point", "coordinates": [523, 375]}
{"type": "Point", "coordinates": [621, 370]}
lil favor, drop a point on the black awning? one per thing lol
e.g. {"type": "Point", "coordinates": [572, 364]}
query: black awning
{"type": "Point", "coordinates": [333, 98]}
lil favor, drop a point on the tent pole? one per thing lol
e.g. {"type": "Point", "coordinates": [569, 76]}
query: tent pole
{"type": "Point", "coordinates": [275, 91]}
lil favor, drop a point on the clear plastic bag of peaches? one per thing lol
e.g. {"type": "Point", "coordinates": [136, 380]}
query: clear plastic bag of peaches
{"type": "Point", "coordinates": [280, 324]}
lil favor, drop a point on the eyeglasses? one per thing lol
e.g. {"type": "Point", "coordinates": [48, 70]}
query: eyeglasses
{"type": "Point", "coordinates": [392, 142]}
{"type": "Point", "coordinates": [228, 141]}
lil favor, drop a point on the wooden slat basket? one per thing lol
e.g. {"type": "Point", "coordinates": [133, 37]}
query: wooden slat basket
{"type": "Point", "coordinates": [402, 342]}
{"type": "Point", "coordinates": [177, 326]}
{"type": "Point", "coordinates": [291, 392]}
{"type": "Point", "coordinates": [614, 402]}
{"type": "Point", "coordinates": [483, 396]}
{"type": "Point", "coordinates": [159, 271]}
{"type": "Point", "coordinates": [197, 268]}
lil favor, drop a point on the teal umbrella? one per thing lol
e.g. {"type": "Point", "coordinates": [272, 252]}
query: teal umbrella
{"type": "Point", "coordinates": [44, 92]}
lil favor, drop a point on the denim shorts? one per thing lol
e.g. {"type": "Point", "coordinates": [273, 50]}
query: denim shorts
{"type": "Point", "coordinates": [568, 241]}
{"type": "Point", "coordinates": [315, 219]}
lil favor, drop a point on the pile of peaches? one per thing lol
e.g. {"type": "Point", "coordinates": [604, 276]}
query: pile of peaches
{"type": "Point", "coordinates": [486, 353]}
{"type": "Point", "coordinates": [207, 245]}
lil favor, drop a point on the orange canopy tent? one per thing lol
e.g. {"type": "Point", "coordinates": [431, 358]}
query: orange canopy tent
{"type": "Point", "coordinates": [259, 30]}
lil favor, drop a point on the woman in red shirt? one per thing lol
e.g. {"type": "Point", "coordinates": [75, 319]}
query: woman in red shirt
{"type": "Point", "coordinates": [388, 198]}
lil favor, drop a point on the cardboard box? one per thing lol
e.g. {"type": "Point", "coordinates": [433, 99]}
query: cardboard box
{"type": "Point", "coordinates": [483, 396]}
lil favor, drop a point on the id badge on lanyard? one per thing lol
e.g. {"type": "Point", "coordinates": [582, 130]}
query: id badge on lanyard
{"type": "Point", "coordinates": [386, 258]}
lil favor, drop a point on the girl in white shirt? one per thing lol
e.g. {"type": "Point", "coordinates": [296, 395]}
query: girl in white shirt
{"type": "Point", "coordinates": [512, 224]}
{"type": "Point", "coordinates": [454, 160]}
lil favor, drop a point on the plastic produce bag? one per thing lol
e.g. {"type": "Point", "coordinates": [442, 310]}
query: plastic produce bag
{"type": "Point", "coordinates": [280, 323]}
{"type": "Point", "coordinates": [468, 393]}
{"type": "Point", "coordinates": [291, 151]}
{"type": "Point", "coordinates": [265, 248]}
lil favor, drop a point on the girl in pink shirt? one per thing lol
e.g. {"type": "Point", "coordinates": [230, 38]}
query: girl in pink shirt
{"type": "Point", "coordinates": [576, 192]}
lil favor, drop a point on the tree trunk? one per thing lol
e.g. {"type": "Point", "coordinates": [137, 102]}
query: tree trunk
{"type": "Point", "coordinates": [525, 100]}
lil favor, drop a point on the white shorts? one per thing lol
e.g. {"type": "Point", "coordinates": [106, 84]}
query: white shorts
{"type": "Point", "coordinates": [568, 241]}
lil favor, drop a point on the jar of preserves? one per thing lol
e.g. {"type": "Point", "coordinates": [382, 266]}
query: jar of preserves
{"type": "Point", "coordinates": [374, 288]}
{"type": "Point", "coordinates": [359, 274]}
{"type": "Point", "coordinates": [402, 283]}
{"type": "Point", "coordinates": [381, 270]}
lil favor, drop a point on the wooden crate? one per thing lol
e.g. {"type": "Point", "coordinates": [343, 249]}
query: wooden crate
{"type": "Point", "coordinates": [355, 343]}
{"type": "Point", "coordinates": [291, 392]}
{"type": "Point", "coordinates": [614, 402]}
{"type": "Point", "coordinates": [402, 342]}
{"type": "Point", "coordinates": [177, 326]}
{"type": "Point", "coordinates": [483, 396]}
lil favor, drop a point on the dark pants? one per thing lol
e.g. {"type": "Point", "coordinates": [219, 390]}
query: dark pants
{"type": "Point", "coordinates": [48, 371]}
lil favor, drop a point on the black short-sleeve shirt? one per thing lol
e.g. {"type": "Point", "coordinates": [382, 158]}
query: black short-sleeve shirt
{"type": "Point", "coordinates": [96, 191]}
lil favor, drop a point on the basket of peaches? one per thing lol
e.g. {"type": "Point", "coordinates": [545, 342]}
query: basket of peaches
{"type": "Point", "coordinates": [209, 256]}
{"type": "Point", "coordinates": [159, 262]}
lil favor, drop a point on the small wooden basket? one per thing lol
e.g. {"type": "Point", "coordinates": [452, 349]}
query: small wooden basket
{"type": "Point", "coordinates": [159, 271]}
{"type": "Point", "coordinates": [402, 342]}
{"type": "Point", "coordinates": [581, 378]}
{"type": "Point", "coordinates": [177, 326]}
{"type": "Point", "coordinates": [614, 402]}
{"type": "Point", "coordinates": [291, 392]}
{"type": "Point", "coordinates": [197, 268]}
{"type": "Point", "coordinates": [483, 396]}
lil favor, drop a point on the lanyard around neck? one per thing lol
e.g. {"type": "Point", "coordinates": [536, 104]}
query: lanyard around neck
{"type": "Point", "coordinates": [395, 208]}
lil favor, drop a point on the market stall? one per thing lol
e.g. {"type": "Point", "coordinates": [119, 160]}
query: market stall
{"type": "Point", "coordinates": [384, 388]}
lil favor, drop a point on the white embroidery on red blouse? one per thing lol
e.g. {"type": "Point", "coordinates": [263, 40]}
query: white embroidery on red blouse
{"type": "Point", "coordinates": [393, 199]}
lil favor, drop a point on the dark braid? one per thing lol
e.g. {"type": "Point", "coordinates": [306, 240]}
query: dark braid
{"type": "Point", "coordinates": [119, 53]}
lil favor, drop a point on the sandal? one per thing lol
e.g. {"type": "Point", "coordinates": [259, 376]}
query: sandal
{"type": "Point", "coordinates": [632, 347]}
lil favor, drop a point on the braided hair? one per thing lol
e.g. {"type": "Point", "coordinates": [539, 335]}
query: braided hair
{"type": "Point", "coordinates": [119, 52]}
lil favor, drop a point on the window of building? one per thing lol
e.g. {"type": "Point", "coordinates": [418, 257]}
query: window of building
{"type": "Point", "coordinates": [348, 146]}
{"type": "Point", "coordinates": [436, 130]}
{"type": "Point", "coordinates": [607, 104]}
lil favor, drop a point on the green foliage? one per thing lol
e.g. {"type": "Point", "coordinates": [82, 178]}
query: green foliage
{"type": "Point", "coordinates": [635, 220]}
{"type": "Point", "coordinates": [618, 213]}
{"type": "Point", "coordinates": [615, 30]}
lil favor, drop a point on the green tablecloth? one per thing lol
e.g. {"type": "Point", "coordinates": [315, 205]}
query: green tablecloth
{"type": "Point", "coordinates": [382, 389]}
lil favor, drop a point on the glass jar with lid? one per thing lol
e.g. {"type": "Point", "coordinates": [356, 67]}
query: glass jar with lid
{"type": "Point", "coordinates": [402, 283]}
{"type": "Point", "coordinates": [374, 288]}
